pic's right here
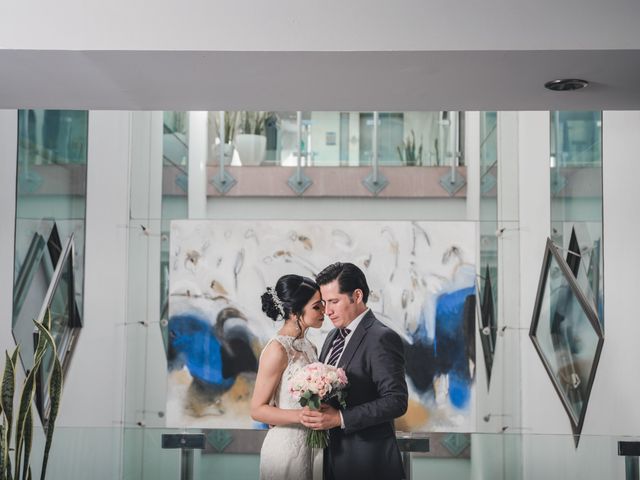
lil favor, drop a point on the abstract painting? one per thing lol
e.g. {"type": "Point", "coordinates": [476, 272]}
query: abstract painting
{"type": "Point", "coordinates": [422, 281]}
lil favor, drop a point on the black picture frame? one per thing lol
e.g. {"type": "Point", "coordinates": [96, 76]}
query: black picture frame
{"type": "Point", "coordinates": [66, 324]}
{"type": "Point", "coordinates": [487, 324]}
{"type": "Point", "coordinates": [566, 303]}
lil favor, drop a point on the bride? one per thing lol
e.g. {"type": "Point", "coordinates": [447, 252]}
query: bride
{"type": "Point", "coordinates": [284, 453]}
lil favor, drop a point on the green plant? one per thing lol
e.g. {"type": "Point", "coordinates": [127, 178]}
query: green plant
{"type": "Point", "coordinates": [230, 124]}
{"type": "Point", "coordinates": [408, 153]}
{"type": "Point", "coordinates": [254, 122]}
{"type": "Point", "coordinates": [23, 428]}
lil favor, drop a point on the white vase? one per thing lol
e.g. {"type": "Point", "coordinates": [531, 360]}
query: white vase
{"type": "Point", "coordinates": [229, 153]}
{"type": "Point", "coordinates": [252, 149]}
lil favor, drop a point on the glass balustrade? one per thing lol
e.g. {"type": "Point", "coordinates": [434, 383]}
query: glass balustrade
{"type": "Point", "coordinates": [137, 453]}
{"type": "Point", "coordinates": [322, 139]}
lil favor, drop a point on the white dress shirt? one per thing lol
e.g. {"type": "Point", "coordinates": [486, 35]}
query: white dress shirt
{"type": "Point", "coordinates": [352, 328]}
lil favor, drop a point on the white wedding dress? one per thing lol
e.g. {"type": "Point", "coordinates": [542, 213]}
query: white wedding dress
{"type": "Point", "coordinates": [285, 454]}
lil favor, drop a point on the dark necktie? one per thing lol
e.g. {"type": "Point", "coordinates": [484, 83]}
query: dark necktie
{"type": "Point", "coordinates": [338, 346]}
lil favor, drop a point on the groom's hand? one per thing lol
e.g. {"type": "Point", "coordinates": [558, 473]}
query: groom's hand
{"type": "Point", "coordinates": [324, 419]}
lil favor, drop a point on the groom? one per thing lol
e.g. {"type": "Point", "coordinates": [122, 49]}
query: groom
{"type": "Point", "coordinates": [362, 440]}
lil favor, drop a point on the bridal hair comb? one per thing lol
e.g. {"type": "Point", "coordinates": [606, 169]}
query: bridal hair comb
{"type": "Point", "coordinates": [276, 301]}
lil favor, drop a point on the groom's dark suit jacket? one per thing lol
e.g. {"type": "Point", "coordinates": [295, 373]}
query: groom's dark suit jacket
{"type": "Point", "coordinates": [373, 360]}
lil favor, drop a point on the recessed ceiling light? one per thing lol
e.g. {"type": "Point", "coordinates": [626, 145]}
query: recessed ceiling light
{"type": "Point", "coordinates": [566, 84]}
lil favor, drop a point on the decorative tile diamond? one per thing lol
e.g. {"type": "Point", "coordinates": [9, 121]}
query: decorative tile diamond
{"type": "Point", "coordinates": [375, 185]}
{"type": "Point", "coordinates": [299, 183]}
{"type": "Point", "coordinates": [223, 182]}
{"type": "Point", "coordinates": [452, 185]}
{"type": "Point", "coordinates": [456, 443]}
{"type": "Point", "coordinates": [566, 334]}
{"type": "Point", "coordinates": [219, 439]}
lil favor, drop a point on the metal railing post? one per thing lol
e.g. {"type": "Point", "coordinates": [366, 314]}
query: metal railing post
{"type": "Point", "coordinates": [299, 182]}
{"type": "Point", "coordinates": [375, 182]}
{"type": "Point", "coordinates": [223, 181]}
{"type": "Point", "coordinates": [453, 181]}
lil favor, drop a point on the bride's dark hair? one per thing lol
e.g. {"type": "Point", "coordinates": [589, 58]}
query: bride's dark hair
{"type": "Point", "coordinates": [292, 293]}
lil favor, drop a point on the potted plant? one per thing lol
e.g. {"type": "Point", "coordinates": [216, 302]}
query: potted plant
{"type": "Point", "coordinates": [230, 126]}
{"type": "Point", "coordinates": [409, 154]}
{"type": "Point", "coordinates": [251, 141]}
{"type": "Point", "coordinates": [21, 426]}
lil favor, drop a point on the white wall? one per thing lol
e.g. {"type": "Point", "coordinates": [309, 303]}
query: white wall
{"type": "Point", "coordinates": [91, 409]}
{"type": "Point", "coordinates": [229, 208]}
{"type": "Point", "coordinates": [92, 404]}
{"type": "Point", "coordinates": [96, 372]}
{"type": "Point", "coordinates": [8, 162]}
{"type": "Point", "coordinates": [320, 26]}
{"type": "Point", "coordinates": [542, 411]}
{"type": "Point", "coordinates": [612, 410]}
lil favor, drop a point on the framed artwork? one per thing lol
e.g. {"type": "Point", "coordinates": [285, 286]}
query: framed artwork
{"type": "Point", "coordinates": [422, 281]}
{"type": "Point", "coordinates": [60, 304]}
{"type": "Point", "coordinates": [566, 333]}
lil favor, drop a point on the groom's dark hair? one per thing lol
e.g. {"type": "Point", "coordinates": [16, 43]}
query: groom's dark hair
{"type": "Point", "coordinates": [350, 278]}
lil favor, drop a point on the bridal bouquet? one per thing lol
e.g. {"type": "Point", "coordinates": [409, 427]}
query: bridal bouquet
{"type": "Point", "coordinates": [314, 384]}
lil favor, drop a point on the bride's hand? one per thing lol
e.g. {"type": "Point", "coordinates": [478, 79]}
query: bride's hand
{"type": "Point", "coordinates": [324, 419]}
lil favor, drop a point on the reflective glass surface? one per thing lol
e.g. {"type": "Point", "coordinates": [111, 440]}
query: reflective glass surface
{"type": "Point", "coordinates": [332, 139]}
{"type": "Point", "coordinates": [50, 208]}
{"type": "Point", "coordinates": [488, 266]}
{"type": "Point", "coordinates": [566, 334]}
{"type": "Point", "coordinates": [576, 194]}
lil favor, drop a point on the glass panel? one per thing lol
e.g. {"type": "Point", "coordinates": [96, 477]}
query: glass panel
{"type": "Point", "coordinates": [488, 282]}
{"type": "Point", "coordinates": [61, 310]}
{"type": "Point", "coordinates": [566, 336]}
{"type": "Point", "coordinates": [50, 208]}
{"type": "Point", "coordinates": [175, 190]}
{"type": "Point", "coordinates": [496, 456]}
{"type": "Point", "coordinates": [252, 138]}
{"type": "Point", "coordinates": [576, 195]}
{"type": "Point", "coordinates": [146, 388]}
{"type": "Point", "coordinates": [331, 139]}
{"type": "Point", "coordinates": [390, 137]}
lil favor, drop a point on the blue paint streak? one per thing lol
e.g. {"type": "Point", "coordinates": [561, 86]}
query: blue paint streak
{"type": "Point", "coordinates": [450, 345]}
{"type": "Point", "coordinates": [459, 391]}
{"type": "Point", "coordinates": [193, 337]}
{"type": "Point", "coordinates": [449, 319]}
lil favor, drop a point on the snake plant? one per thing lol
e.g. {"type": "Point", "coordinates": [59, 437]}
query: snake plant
{"type": "Point", "coordinates": [254, 122]}
{"type": "Point", "coordinates": [21, 425]}
{"type": "Point", "coordinates": [410, 154]}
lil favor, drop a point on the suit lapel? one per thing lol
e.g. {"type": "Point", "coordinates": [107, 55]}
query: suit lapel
{"type": "Point", "coordinates": [327, 344]}
{"type": "Point", "coordinates": [356, 340]}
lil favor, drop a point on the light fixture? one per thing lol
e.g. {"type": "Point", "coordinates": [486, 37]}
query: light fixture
{"type": "Point", "coordinates": [566, 84]}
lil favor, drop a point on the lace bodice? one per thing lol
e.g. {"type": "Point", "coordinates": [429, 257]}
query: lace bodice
{"type": "Point", "coordinates": [285, 453]}
{"type": "Point", "coordinates": [300, 352]}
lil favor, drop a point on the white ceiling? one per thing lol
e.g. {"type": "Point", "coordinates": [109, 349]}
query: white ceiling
{"type": "Point", "coordinates": [330, 55]}
{"type": "Point", "coordinates": [358, 81]}
{"type": "Point", "coordinates": [328, 25]}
